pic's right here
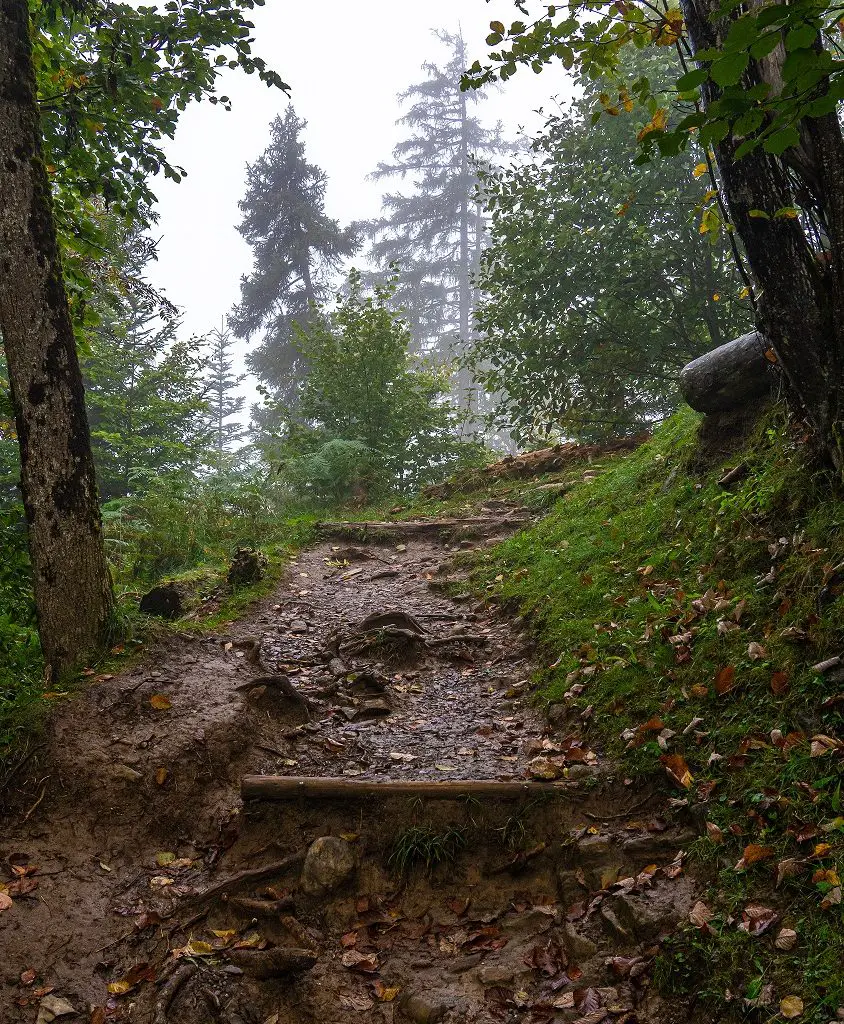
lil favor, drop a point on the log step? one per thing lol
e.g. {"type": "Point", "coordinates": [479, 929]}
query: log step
{"type": "Point", "coordinates": [290, 787]}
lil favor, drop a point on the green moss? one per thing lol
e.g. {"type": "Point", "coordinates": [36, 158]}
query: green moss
{"type": "Point", "coordinates": [608, 579]}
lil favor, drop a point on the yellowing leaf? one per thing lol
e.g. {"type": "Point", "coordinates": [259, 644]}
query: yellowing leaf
{"type": "Point", "coordinates": [160, 701]}
{"type": "Point", "coordinates": [791, 1007]}
{"type": "Point", "coordinates": [161, 775]}
{"type": "Point", "coordinates": [119, 988]}
{"type": "Point", "coordinates": [675, 765]}
{"type": "Point", "coordinates": [656, 124]}
{"type": "Point", "coordinates": [164, 858]}
{"type": "Point", "coordinates": [700, 170]}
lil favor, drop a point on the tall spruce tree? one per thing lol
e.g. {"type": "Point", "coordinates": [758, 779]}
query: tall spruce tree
{"type": "Point", "coordinates": [221, 384]}
{"type": "Point", "coordinates": [434, 230]}
{"type": "Point", "coordinates": [297, 250]}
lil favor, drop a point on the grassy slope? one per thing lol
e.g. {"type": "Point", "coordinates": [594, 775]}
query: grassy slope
{"type": "Point", "coordinates": [606, 580]}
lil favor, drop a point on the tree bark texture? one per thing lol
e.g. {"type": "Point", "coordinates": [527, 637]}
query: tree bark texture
{"type": "Point", "coordinates": [729, 376]}
{"type": "Point", "coordinates": [801, 289]}
{"type": "Point", "coordinates": [71, 580]}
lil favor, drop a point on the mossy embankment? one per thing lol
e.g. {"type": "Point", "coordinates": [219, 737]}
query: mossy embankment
{"type": "Point", "coordinates": [680, 620]}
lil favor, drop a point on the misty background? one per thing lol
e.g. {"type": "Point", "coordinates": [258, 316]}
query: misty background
{"type": "Point", "coordinates": [366, 55]}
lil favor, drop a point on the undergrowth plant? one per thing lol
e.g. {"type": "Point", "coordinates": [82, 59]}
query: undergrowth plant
{"type": "Point", "coordinates": [425, 846]}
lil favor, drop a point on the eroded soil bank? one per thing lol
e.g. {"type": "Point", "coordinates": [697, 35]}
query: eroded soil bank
{"type": "Point", "coordinates": [143, 889]}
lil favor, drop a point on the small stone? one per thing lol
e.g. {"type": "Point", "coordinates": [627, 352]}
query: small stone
{"type": "Point", "coordinates": [613, 927]}
{"type": "Point", "coordinates": [496, 974]}
{"type": "Point", "coordinates": [577, 946]}
{"type": "Point", "coordinates": [298, 626]}
{"type": "Point", "coordinates": [52, 1007]}
{"type": "Point", "coordinates": [329, 862]}
{"type": "Point", "coordinates": [422, 1009]}
{"type": "Point", "coordinates": [123, 771]}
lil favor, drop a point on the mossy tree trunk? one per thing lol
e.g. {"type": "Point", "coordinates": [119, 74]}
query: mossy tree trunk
{"type": "Point", "coordinates": [72, 585]}
{"type": "Point", "coordinates": [801, 286]}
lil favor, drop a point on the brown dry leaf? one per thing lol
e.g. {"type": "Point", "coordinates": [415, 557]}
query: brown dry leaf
{"type": "Point", "coordinates": [824, 745]}
{"type": "Point", "coordinates": [786, 939]}
{"type": "Point", "coordinates": [714, 832]}
{"type": "Point", "coordinates": [355, 961]}
{"type": "Point", "coordinates": [788, 868]}
{"type": "Point", "coordinates": [756, 919]}
{"type": "Point", "coordinates": [779, 683]}
{"type": "Point", "coordinates": [675, 765]}
{"type": "Point", "coordinates": [754, 853]}
{"type": "Point", "coordinates": [832, 898]}
{"type": "Point", "coordinates": [160, 701]}
{"type": "Point", "coordinates": [384, 993]}
{"type": "Point", "coordinates": [725, 679]}
{"type": "Point", "coordinates": [700, 915]}
{"type": "Point", "coordinates": [348, 940]}
{"type": "Point", "coordinates": [791, 1007]}
{"type": "Point", "coordinates": [756, 652]}
{"type": "Point", "coordinates": [161, 776]}
{"type": "Point", "coordinates": [5, 901]}
{"type": "Point", "coordinates": [27, 977]}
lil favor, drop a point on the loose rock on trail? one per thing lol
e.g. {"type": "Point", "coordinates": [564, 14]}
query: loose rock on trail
{"type": "Point", "coordinates": [140, 887]}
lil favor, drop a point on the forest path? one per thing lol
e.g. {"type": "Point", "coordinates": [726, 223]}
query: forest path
{"type": "Point", "coordinates": [130, 886]}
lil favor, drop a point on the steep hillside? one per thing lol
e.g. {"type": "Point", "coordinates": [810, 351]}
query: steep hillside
{"type": "Point", "coordinates": [686, 601]}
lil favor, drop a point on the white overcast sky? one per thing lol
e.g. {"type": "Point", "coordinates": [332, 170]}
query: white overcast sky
{"type": "Point", "coordinates": [345, 63]}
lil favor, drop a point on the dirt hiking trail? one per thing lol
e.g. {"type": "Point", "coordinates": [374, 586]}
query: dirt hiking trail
{"type": "Point", "coordinates": [144, 888]}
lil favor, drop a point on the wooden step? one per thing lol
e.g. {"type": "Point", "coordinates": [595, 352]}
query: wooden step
{"type": "Point", "coordinates": [290, 787]}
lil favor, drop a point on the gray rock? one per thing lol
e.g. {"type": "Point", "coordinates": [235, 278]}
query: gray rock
{"type": "Point", "coordinates": [577, 946]}
{"type": "Point", "coordinates": [613, 927]}
{"type": "Point", "coordinates": [329, 862]}
{"type": "Point", "coordinates": [497, 974]}
{"type": "Point", "coordinates": [298, 626]}
{"type": "Point", "coordinates": [422, 1009]}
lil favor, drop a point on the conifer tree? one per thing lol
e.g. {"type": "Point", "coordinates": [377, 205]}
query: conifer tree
{"type": "Point", "coordinates": [434, 229]}
{"type": "Point", "coordinates": [296, 248]}
{"type": "Point", "coordinates": [221, 383]}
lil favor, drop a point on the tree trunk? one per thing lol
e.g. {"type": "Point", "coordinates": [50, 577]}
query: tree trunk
{"type": "Point", "coordinates": [801, 302]}
{"type": "Point", "coordinates": [72, 584]}
{"type": "Point", "coordinates": [464, 285]}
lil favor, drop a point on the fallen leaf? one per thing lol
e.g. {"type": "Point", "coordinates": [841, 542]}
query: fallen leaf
{"type": "Point", "coordinates": [160, 701]}
{"type": "Point", "coordinates": [779, 683]}
{"type": "Point", "coordinates": [786, 939]}
{"type": "Point", "coordinates": [753, 854]}
{"type": "Point", "coordinates": [700, 915]}
{"type": "Point", "coordinates": [385, 993]}
{"type": "Point", "coordinates": [756, 652]}
{"type": "Point", "coordinates": [164, 858]}
{"type": "Point", "coordinates": [5, 901]}
{"type": "Point", "coordinates": [791, 1007]}
{"type": "Point", "coordinates": [675, 765]}
{"type": "Point", "coordinates": [788, 868]}
{"type": "Point", "coordinates": [756, 919]}
{"type": "Point", "coordinates": [725, 679]}
{"type": "Point", "coordinates": [714, 832]}
{"type": "Point", "coordinates": [161, 775]}
{"type": "Point", "coordinates": [27, 977]}
{"type": "Point", "coordinates": [824, 745]}
{"type": "Point", "coordinates": [355, 961]}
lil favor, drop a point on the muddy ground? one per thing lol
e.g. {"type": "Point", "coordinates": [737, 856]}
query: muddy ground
{"type": "Point", "coordinates": [143, 889]}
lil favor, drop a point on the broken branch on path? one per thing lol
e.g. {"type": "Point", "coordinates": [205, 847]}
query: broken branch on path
{"type": "Point", "coordinates": [291, 787]}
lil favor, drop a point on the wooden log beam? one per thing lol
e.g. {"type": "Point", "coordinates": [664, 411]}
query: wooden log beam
{"type": "Point", "coordinates": [729, 376]}
{"type": "Point", "coordinates": [290, 787]}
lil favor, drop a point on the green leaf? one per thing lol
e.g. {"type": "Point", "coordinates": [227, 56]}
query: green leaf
{"type": "Point", "coordinates": [713, 131]}
{"type": "Point", "coordinates": [764, 45]}
{"type": "Point", "coordinates": [801, 37]}
{"type": "Point", "coordinates": [692, 79]}
{"type": "Point", "coordinates": [776, 14]}
{"type": "Point", "coordinates": [780, 141]}
{"type": "Point", "coordinates": [729, 69]}
{"type": "Point", "coordinates": [742, 33]}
